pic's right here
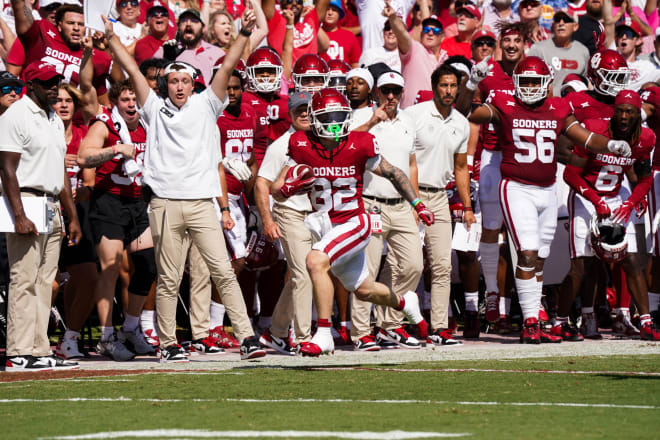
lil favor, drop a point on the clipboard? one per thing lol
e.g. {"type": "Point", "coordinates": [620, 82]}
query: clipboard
{"type": "Point", "coordinates": [36, 209]}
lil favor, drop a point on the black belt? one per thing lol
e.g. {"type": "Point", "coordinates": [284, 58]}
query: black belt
{"type": "Point", "coordinates": [40, 193]}
{"type": "Point", "coordinates": [395, 201]}
{"type": "Point", "coordinates": [430, 189]}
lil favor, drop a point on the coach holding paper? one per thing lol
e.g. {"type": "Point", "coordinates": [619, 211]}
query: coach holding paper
{"type": "Point", "coordinates": [181, 169]}
{"type": "Point", "coordinates": [32, 145]}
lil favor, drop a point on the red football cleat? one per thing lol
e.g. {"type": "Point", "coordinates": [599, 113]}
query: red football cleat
{"type": "Point", "coordinates": [530, 332]}
{"type": "Point", "coordinates": [648, 333]}
{"type": "Point", "coordinates": [566, 332]}
{"type": "Point", "coordinates": [492, 306]}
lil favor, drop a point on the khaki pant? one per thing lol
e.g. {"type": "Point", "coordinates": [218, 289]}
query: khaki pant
{"type": "Point", "coordinates": [169, 220]}
{"type": "Point", "coordinates": [33, 266]}
{"type": "Point", "coordinates": [200, 291]}
{"type": "Point", "coordinates": [438, 247]}
{"type": "Point", "coordinates": [405, 250]}
{"type": "Point", "coordinates": [296, 299]}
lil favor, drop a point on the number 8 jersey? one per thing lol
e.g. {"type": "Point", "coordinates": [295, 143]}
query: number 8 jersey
{"type": "Point", "coordinates": [527, 136]}
{"type": "Point", "coordinates": [339, 173]}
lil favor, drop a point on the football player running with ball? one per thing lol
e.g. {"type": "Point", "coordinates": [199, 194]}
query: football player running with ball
{"type": "Point", "coordinates": [329, 163]}
{"type": "Point", "coordinates": [529, 124]}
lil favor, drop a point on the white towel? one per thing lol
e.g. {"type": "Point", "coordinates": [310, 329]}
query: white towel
{"type": "Point", "coordinates": [131, 167]}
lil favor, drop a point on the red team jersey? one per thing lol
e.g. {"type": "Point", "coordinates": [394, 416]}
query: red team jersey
{"type": "Point", "coordinates": [585, 106]}
{"type": "Point", "coordinates": [236, 138]}
{"type": "Point", "coordinates": [496, 81]}
{"type": "Point", "coordinates": [272, 121]}
{"type": "Point", "coordinates": [42, 42]}
{"type": "Point", "coordinates": [603, 171]}
{"type": "Point", "coordinates": [339, 174]}
{"type": "Point", "coordinates": [110, 176]}
{"type": "Point", "coordinates": [527, 137]}
{"type": "Point", "coordinates": [652, 96]}
{"type": "Point", "coordinates": [74, 172]}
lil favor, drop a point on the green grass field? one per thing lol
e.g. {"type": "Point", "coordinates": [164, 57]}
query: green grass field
{"type": "Point", "coordinates": [350, 402]}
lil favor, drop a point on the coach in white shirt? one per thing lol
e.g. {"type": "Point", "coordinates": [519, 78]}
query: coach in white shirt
{"type": "Point", "coordinates": [392, 218]}
{"type": "Point", "coordinates": [287, 223]}
{"type": "Point", "coordinates": [441, 149]}
{"type": "Point", "coordinates": [181, 168]}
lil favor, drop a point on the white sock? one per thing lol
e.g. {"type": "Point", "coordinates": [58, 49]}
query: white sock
{"type": "Point", "coordinates": [147, 320]}
{"type": "Point", "coordinates": [472, 301]}
{"type": "Point", "coordinates": [507, 306]}
{"type": "Point", "coordinates": [528, 297]}
{"type": "Point", "coordinates": [346, 324]}
{"type": "Point", "coordinates": [490, 255]}
{"type": "Point", "coordinates": [130, 323]}
{"type": "Point", "coordinates": [654, 301]}
{"type": "Point", "coordinates": [503, 309]}
{"type": "Point", "coordinates": [559, 320]}
{"type": "Point", "coordinates": [70, 335]}
{"type": "Point", "coordinates": [106, 333]}
{"type": "Point", "coordinates": [264, 321]}
{"type": "Point", "coordinates": [217, 314]}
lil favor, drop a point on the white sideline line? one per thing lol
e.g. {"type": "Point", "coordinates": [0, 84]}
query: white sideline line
{"type": "Point", "coordinates": [96, 378]}
{"type": "Point", "coordinates": [196, 433]}
{"type": "Point", "coordinates": [485, 370]}
{"type": "Point", "coordinates": [385, 401]}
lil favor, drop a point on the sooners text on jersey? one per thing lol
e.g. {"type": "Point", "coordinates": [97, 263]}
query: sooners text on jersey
{"type": "Point", "coordinates": [339, 174]}
{"type": "Point", "coordinates": [603, 171]}
{"type": "Point", "coordinates": [527, 136]}
{"type": "Point", "coordinates": [110, 176]}
{"type": "Point", "coordinates": [236, 140]}
{"type": "Point", "coordinates": [272, 121]}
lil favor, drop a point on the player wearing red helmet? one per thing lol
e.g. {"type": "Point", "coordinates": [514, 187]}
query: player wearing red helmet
{"type": "Point", "coordinates": [596, 191]}
{"type": "Point", "coordinates": [310, 73]}
{"type": "Point", "coordinates": [337, 74]}
{"type": "Point", "coordinates": [529, 124]}
{"type": "Point", "coordinates": [339, 159]}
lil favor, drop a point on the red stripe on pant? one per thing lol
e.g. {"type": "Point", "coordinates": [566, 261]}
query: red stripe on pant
{"type": "Point", "coordinates": [337, 241]}
{"type": "Point", "coordinates": [571, 227]}
{"type": "Point", "coordinates": [653, 212]}
{"type": "Point", "coordinates": [504, 202]}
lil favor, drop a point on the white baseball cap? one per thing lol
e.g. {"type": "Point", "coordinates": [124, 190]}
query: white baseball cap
{"type": "Point", "coordinates": [44, 3]}
{"type": "Point", "coordinates": [391, 78]}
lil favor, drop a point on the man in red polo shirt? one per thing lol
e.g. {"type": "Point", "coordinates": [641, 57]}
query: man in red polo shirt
{"type": "Point", "coordinates": [468, 19]}
{"type": "Point", "coordinates": [157, 22]}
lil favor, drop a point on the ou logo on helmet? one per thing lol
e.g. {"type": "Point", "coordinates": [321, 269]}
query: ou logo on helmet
{"type": "Point", "coordinates": [595, 60]}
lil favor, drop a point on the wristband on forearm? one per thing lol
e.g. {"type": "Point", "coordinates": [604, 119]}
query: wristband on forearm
{"type": "Point", "coordinates": [415, 202]}
{"type": "Point", "coordinates": [245, 32]}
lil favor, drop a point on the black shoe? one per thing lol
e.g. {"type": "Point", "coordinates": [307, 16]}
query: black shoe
{"type": "Point", "coordinates": [206, 345]}
{"type": "Point", "coordinates": [20, 364]}
{"type": "Point", "coordinates": [173, 354]}
{"type": "Point", "coordinates": [54, 363]}
{"type": "Point", "coordinates": [251, 349]}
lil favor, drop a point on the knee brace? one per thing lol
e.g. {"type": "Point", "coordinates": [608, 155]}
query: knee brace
{"type": "Point", "coordinates": [144, 262]}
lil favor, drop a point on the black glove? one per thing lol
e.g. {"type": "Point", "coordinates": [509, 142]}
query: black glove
{"type": "Point", "coordinates": [172, 49]}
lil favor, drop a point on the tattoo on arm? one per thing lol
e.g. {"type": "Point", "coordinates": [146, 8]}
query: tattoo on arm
{"type": "Point", "coordinates": [398, 179]}
{"type": "Point", "coordinates": [98, 159]}
{"type": "Point", "coordinates": [28, 14]}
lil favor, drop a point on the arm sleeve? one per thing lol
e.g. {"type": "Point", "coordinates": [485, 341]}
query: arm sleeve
{"type": "Point", "coordinates": [641, 189]}
{"type": "Point", "coordinates": [573, 177]}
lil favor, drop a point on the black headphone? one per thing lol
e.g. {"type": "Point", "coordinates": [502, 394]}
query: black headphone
{"type": "Point", "coordinates": [161, 81]}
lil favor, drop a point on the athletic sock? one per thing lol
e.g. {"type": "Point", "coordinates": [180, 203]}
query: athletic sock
{"type": "Point", "coordinates": [490, 255]}
{"type": "Point", "coordinates": [70, 335]}
{"type": "Point", "coordinates": [643, 319]}
{"type": "Point", "coordinates": [147, 320]}
{"type": "Point", "coordinates": [217, 313]}
{"type": "Point", "coordinates": [264, 321]}
{"type": "Point", "coordinates": [559, 320]}
{"type": "Point", "coordinates": [586, 310]}
{"type": "Point", "coordinates": [528, 297]}
{"type": "Point", "coordinates": [346, 324]}
{"type": "Point", "coordinates": [130, 323]}
{"type": "Point", "coordinates": [106, 333]}
{"type": "Point", "coordinates": [472, 301]}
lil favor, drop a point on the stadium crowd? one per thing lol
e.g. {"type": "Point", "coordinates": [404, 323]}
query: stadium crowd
{"type": "Point", "coordinates": [332, 172]}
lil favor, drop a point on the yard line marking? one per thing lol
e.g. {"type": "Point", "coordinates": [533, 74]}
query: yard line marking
{"type": "Point", "coordinates": [198, 433]}
{"type": "Point", "coordinates": [302, 400]}
{"type": "Point", "coordinates": [127, 373]}
{"type": "Point", "coordinates": [484, 370]}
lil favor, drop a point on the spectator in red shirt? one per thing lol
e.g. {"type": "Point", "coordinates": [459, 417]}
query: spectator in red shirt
{"type": "Point", "coordinates": [468, 18]}
{"type": "Point", "coordinates": [157, 20]}
{"type": "Point", "coordinates": [344, 45]}
{"type": "Point", "coordinates": [307, 33]}
{"type": "Point", "coordinates": [483, 45]}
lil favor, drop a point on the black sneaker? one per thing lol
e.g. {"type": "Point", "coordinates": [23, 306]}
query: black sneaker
{"type": "Point", "coordinates": [206, 345]}
{"type": "Point", "coordinates": [54, 363]}
{"type": "Point", "coordinates": [173, 354]}
{"type": "Point", "coordinates": [251, 349]}
{"type": "Point", "coordinates": [20, 364]}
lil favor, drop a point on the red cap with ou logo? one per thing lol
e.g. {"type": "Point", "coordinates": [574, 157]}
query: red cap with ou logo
{"type": "Point", "coordinates": [628, 97]}
{"type": "Point", "coordinates": [41, 71]}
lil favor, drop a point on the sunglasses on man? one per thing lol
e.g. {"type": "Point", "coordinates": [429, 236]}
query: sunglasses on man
{"type": "Point", "coordinates": [288, 2]}
{"type": "Point", "coordinates": [134, 3]}
{"type": "Point", "coordinates": [486, 41]}
{"type": "Point", "coordinates": [435, 30]}
{"type": "Point", "coordinates": [396, 91]}
{"type": "Point", "coordinates": [628, 33]}
{"type": "Point", "coordinates": [6, 90]}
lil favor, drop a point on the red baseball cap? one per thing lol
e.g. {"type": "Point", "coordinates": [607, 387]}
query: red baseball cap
{"type": "Point", "coordinates": [627, 22]}
{"type": "Point", "coordinates": [470, 9]}
{"type": "Point", "coordinates": [628, 97]}
{"type": "Point", "coordinates": [482, 33]}
{"type": "Point", "coordinates": [41, 71]}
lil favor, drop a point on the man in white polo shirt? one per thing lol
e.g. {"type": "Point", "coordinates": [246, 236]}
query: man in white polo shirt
{"type": "Point", "coordinates": [392, 219]}
{"type": "Point", "coordinates": [32, 148]}
{"type": "Point", "coordinates": [287, 223]}
{"type": "Point", "coordinates": [181, 170]}
{"type": "Point", "coordinates": [441, 148]}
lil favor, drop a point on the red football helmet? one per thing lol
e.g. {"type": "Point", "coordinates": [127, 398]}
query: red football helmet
{"type": "Point", "coordinates": [307, 67]}
{"type": "Point", "coordinates": [337, 77]}
{"type": "Point", "coordinates": [260, 61]}
{"type": "Point", "coordinates": [240, 67]}
{"type": "Point", "coordinates": [608, 71]}
{"type": "Point", "coordinates": [532, 68]}
{"type": "Point", "coordinates": [261, 253]}
{"type": "Point", "coordinates": [608, 240]}
{"type": "Point", "coordinates": [329, 114]}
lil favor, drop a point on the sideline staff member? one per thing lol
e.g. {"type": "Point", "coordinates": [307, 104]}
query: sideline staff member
{"type": "Point", "coordinates": [181, 167]}
{"type": "Point", "coordinates": [31, 147]}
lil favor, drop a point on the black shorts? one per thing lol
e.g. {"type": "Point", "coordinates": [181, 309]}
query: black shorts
{"type": "Point", "coordinates": [116, 217]}
{"type": "Point", "coordinates": [85, 250]}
